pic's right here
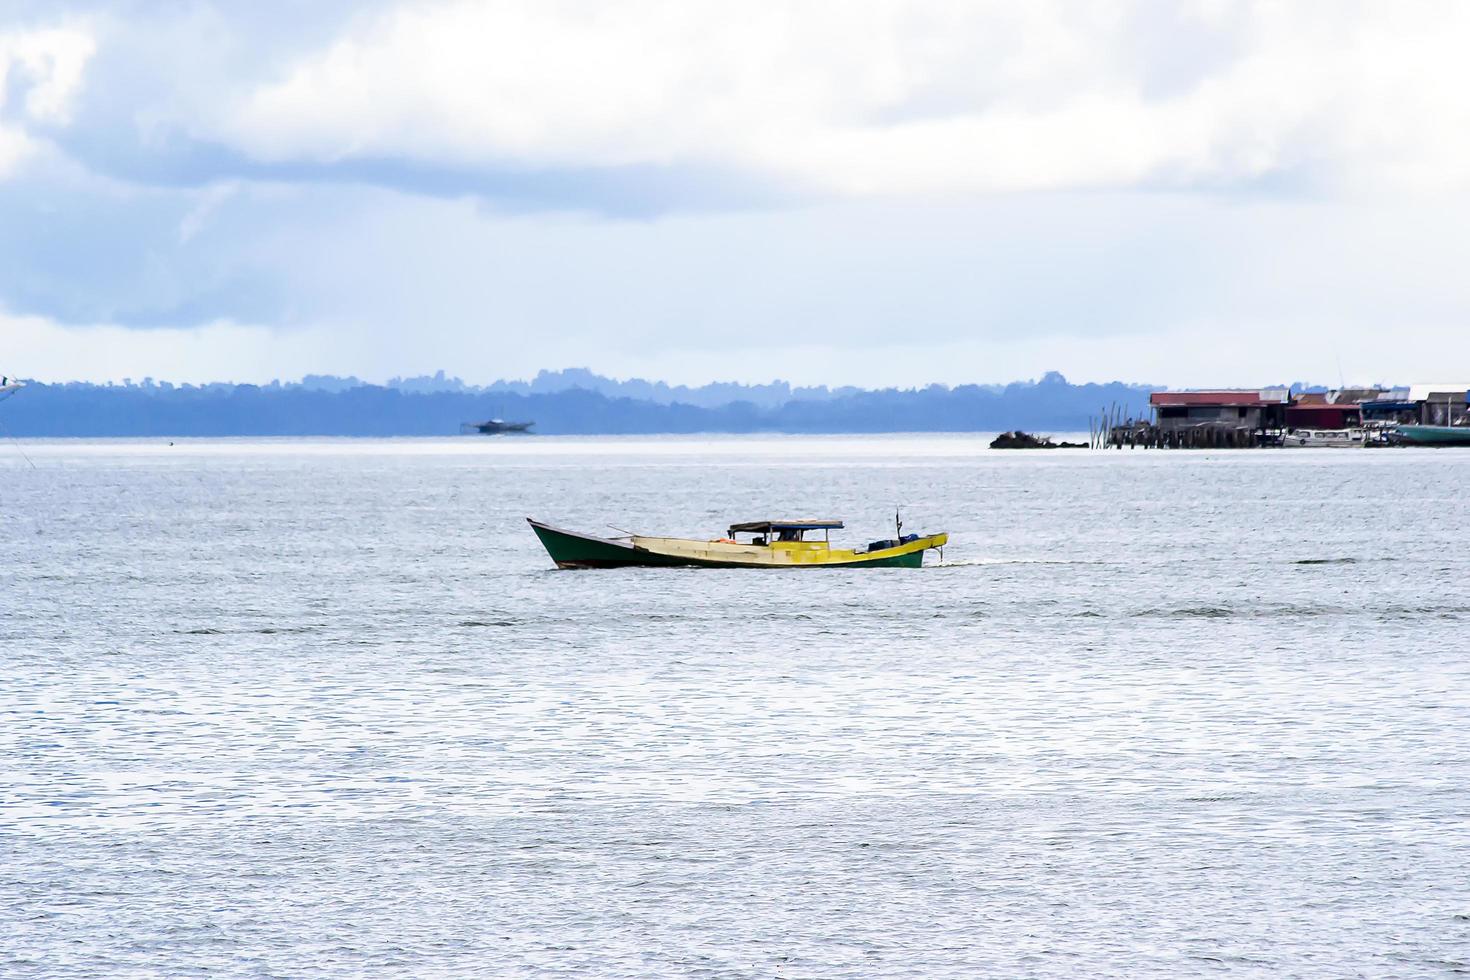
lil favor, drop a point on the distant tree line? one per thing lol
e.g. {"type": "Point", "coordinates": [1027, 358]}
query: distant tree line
{"type": "Point", "coordinates": [713, 395]}
{"type": "Point", "coordinates": [355, 409]}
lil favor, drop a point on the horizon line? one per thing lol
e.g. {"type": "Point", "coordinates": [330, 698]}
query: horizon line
{"type": "Point", "coordinates": [454, 383]}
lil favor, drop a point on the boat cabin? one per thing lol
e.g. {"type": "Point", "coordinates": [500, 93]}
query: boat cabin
{"type": "Point", "coordinates": [786, 532]}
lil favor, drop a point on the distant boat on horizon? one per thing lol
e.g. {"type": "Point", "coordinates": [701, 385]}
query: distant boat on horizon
{"type": "Point", "coordinates": [492, 427]}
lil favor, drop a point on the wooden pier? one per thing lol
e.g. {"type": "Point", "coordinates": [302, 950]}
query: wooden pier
{"type": "Point", "coordinates": [1211, 435]}
{"type": "Point", "coordinates": [1113, 430]}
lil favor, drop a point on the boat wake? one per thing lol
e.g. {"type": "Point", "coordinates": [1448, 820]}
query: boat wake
{"type": "Point", "coordinates": [968, 562]}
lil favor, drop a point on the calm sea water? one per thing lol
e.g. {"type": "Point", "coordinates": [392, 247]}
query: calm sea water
{"type": "Point", "coordinates": [307, 708]}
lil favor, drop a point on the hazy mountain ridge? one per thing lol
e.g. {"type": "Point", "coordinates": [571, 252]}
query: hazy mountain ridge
{"type": "Point", "coordinates": [558, 402]}
{"type": "Point", "coordinates": [713, 395]}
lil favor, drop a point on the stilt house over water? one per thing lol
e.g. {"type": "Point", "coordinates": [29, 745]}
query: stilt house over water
{"type": "Point", "coordinates": [1442, 403]}
{"type": "Point", "coordinates": [1222, 417]}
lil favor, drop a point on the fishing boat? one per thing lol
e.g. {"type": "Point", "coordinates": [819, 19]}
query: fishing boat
{"type": "Point", "coordinates": [765, 544]}
{"type": "Point", "coordinates": [1433, 435]}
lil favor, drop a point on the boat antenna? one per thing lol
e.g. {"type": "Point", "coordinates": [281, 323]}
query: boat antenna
{"type": "Point", "coordinates": [897, 523]}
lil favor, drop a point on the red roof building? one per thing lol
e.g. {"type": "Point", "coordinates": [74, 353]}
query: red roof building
{"type": "Point", "coordinates": [1315, 415]}
{"type": "Point", "coordinates": [1222, 398]}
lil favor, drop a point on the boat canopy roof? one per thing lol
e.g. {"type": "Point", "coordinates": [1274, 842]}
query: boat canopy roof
{"type": "Point", "coordinates": [766, 527]}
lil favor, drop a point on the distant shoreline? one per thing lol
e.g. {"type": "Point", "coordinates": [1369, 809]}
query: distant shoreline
{"type": "Point", "coordinates": [159, 410]}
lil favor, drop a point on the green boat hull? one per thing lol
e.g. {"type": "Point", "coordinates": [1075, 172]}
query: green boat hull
{"type": "Point", "coordinates": [1434, 435]}
{"type": "Point", "coordinates": [570, 549]}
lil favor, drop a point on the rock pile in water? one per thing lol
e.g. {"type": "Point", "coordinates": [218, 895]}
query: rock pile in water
{"type": "Point", "coordinates": [1025, 440]}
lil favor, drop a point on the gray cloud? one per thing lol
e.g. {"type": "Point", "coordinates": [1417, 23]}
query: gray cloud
{"type": "Point", "coordinates": [632, 191]}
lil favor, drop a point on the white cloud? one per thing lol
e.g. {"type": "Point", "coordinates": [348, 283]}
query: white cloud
{"type": "Point", "coordinates": [883, 96]}
{"type": "Point", "coordinates": [40, 75]}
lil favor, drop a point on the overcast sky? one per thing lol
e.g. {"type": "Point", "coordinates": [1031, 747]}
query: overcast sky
{"type": "Point", "coordinates": [848, 192]}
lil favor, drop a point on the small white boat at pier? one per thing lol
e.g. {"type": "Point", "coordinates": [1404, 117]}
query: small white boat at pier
{"type": "Point", "coordinates": [1324, 438]}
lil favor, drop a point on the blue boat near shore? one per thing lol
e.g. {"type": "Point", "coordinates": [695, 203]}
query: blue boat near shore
{"type": "Point", "coordinates": [1433, 435]}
